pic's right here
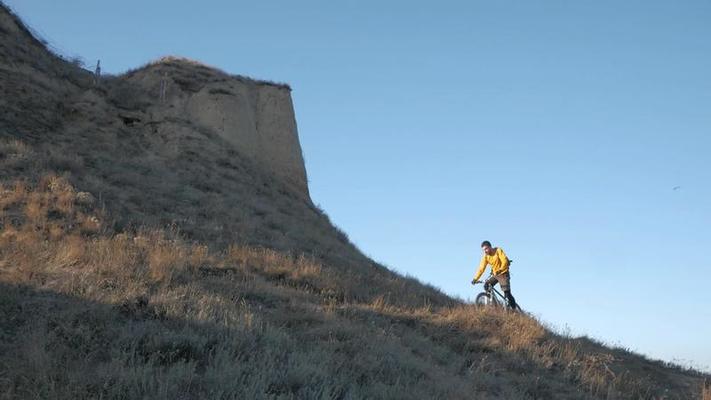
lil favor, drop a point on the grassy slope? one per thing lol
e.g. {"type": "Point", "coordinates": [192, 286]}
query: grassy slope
{"type": "Point", "coordinates": [188, 273]}
{"type": "Point", "coordinates": [92, 313]}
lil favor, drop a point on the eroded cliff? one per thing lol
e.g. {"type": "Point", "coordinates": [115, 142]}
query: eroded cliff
{"type": "Point", "coordinates": [256, 117]}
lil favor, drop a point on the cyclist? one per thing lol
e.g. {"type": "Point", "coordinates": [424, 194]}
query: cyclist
{"type": "Point", "coordinates": [496, 257]}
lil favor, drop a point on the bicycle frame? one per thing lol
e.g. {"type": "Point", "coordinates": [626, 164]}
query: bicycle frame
{"type": "Point", "coordinates": [496, 297]}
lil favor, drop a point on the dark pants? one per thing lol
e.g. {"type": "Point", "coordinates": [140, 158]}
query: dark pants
{"type": "Point", "coordinates": [505, 281]}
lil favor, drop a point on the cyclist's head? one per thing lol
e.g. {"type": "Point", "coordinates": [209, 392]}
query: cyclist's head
{"type": "Point", "coordinates": [486, 246]}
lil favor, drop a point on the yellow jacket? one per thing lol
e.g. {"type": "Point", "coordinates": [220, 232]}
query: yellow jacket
{"type": "Point", "coordinates": [499, 263]}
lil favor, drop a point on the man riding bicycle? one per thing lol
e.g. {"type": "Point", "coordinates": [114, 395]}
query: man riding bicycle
{"type": "Point", "coordinates": [496, 257]}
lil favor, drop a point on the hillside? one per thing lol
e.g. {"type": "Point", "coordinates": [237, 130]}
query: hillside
{"type": "Point", "coordinates": [158, 240]}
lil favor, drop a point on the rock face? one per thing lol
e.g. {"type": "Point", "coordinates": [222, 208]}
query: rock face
{"type": "Point", "coordinates": [256, 117]}
{"type": "Point", "coordinates": [259, 119]}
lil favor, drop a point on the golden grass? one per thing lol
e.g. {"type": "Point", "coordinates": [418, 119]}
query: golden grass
{"type": "Point", "coordinates": [149, 311]}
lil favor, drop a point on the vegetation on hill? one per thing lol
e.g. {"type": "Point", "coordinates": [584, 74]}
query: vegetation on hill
{"type": "Point", "coordinates": [90, 313]}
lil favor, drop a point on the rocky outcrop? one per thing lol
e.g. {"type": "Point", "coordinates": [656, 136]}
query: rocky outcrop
{"type": "Point", "coordinates": [257, 117]}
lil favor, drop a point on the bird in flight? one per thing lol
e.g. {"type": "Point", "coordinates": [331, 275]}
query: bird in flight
{"type": "Point", "coordinates": [676, 188]}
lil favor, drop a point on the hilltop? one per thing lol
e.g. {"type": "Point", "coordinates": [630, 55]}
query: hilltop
{"type": "Point", "coordinates": [158, 240]}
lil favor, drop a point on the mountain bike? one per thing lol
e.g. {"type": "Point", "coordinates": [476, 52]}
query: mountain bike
{"type": "Point", "coordinates": [492, 297]}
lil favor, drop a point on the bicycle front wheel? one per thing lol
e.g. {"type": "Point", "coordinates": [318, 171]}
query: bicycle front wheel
{"type": "Point", "coordinates": [483, 299]}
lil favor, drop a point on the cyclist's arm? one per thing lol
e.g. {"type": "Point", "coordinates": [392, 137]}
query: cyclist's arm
{"type": "Point", "coordinates": [480, 271]}
{"type": "Point", "coordinates": [502, 256]}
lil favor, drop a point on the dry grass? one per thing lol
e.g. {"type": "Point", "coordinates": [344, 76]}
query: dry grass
{"type": "Point", "coordinates": [91, 313]}
{"type": "Point", "coordinates": [160, 308]}
{"type": "Point", "coordinates": [168, 61]}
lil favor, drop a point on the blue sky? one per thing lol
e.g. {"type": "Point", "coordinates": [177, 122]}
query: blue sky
{"type": "Point", "coordinates": [555, 129]}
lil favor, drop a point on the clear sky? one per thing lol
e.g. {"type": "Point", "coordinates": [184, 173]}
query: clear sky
{"type": "Point", "coordinates": [574, 134]}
